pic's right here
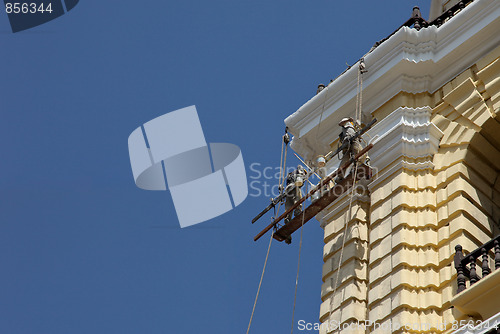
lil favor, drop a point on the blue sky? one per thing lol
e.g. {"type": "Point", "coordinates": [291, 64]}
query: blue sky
{"type": "Point", "coordinates": [83, 250]}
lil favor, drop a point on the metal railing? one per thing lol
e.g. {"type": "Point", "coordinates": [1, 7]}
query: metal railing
{"type": "Point", "coordinates": [416, 21]}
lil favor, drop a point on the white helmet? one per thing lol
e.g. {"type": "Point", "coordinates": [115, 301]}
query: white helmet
{"type": "Point", "coordinates": [345, 120]}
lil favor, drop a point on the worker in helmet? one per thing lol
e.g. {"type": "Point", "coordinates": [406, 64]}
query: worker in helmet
{"type": "Point", "coordinates": [353, 147]}
{"type": "Point", "coordinates": [294, 182]}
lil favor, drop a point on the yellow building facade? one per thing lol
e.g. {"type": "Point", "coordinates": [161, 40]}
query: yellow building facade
{"type": "Point", "coordinates": [436, 184]}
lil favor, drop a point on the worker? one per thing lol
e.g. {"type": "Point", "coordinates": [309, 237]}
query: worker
{"type": "Point", "coordinates": [294, 181]}
{"type": "Point", "coordinates": [352, 148]}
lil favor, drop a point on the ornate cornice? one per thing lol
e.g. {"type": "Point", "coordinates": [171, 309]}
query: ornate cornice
{"type": "Point", "coordinates": [408, 133]}
{"type": "Point", "coordinates": [413, 61]}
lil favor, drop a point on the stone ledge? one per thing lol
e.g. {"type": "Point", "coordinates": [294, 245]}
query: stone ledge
{"type": "Point", "coordinates": [352, 286]}
{"type": "Point", "coordinates": [351, 266]}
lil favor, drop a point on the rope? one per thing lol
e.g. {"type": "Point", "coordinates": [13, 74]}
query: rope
{"type": "Point", "coordinates": [281, 160]}
{"type": "Point", "coordinates": [360, 95]}
{"type": "Point", "coordinates": [310, 169]}
{"type": "Point", "coordinates": [298, 265]}
{"type": "Point", "coordinates": [282, 179]}
{"type": "Point", "coordinates": [358, 112]}
{"type": "Point", "coordinates": [260, 283]}
{"type": "Point", "coordinates": [359, 92]}
{"type": "Point", "coordinates": [357, 98]}
{"type": "Point", "coordinates": [321, 116]}
{"type": "Point", "coordinates": [276, 212]}
{"type": "Point", "coordinates": [283, 170]}
{"type": "Point", "coordinates": [346, 223]}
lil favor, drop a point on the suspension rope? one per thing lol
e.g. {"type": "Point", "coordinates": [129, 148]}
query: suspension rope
{"type": "Point", "coordinates": [310, 169]}
{"type": "Point", "coordinates": [283, 169]}
{"type": "Point", "coordinates": [298, 265]}
{"type": "Point", "coordinates": [346, 224]}
{"type": "Point", "coordinates": [282, 179]}
{"type": "Point", "coordinates": [358, 113]}
{"type": "Point", "coordinates": [357, 118]}
{"type": "Point", "coordinates": [359, 91]}
{"type": "Point", "coordinates": [321, 115]}
{"type": "Point", "coordinates": [260, 283]}
{"type": "Point", "coordinates": [281, 160]}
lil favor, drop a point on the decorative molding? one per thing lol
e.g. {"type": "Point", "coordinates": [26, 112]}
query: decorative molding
{"type": "Point", "coordinates": [405, 132]}
{"type": "Point", "coordinates": [404, 135]}
{"type": "Point", "coordinates": [410, 61]}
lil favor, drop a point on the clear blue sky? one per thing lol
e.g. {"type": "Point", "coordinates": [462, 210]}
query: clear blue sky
{"type": "Point", "coordinates": [82, 249]}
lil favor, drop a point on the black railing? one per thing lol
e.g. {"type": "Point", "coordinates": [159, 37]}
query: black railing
{"type": "Point", "coordinates": [416, 21]}
{"type": "Point", "coordinates": [450, 13]}
{"type": "Point", "coordinates": [461, 262]}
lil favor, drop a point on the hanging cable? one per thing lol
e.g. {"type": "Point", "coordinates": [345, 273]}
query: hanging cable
{"type": "Point", "coordinates": [283, 169]}
{"type": "Point", "coordinates": [357, 118]}
{"type": "Point", "coordinates": [346, 223]}
{"type": "Point", "coordinates": [359, 91]}
{"type": "Point", "coordinates": [282, 172]}
{"type": "Point", "coordinates": [260, 283]}
{"type": "Point", "coordinates": [298, 264]}
{"type": "Point", "coordinates": [309, 168]}
{"type": "Point", "coordinates": [281, 160]}
{"type": "Point", "coordinates": [321, 115]}
{"type": "Point", "coordinates": [362, 70]}
{"type": "Point", "coordinates": [340, 259]}
{"type": "Point", "coordinates": [281, 181]}
{"type": "Point", "coordinates": [282, 176]}
{"type": "Point", "coordinates": [358, 113]}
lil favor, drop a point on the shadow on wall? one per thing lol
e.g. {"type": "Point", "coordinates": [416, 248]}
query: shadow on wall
{"type": "Point", "coordinates": [483, 162]}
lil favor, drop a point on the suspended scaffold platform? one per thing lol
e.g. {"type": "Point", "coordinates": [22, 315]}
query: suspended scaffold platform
{"type": "Point", "coordinates": [327, 196]}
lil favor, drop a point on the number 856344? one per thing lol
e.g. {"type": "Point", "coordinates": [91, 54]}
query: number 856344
{"type": "Point", "coordinates": [27, 8]}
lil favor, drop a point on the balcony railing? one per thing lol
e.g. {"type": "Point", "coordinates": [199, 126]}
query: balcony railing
{"type": "Point", "coordinates": [466, 265]}
{"type": "Point", "coordinates": [449, 13]}
{"type": "Point", "coordinates": [417, 21]}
